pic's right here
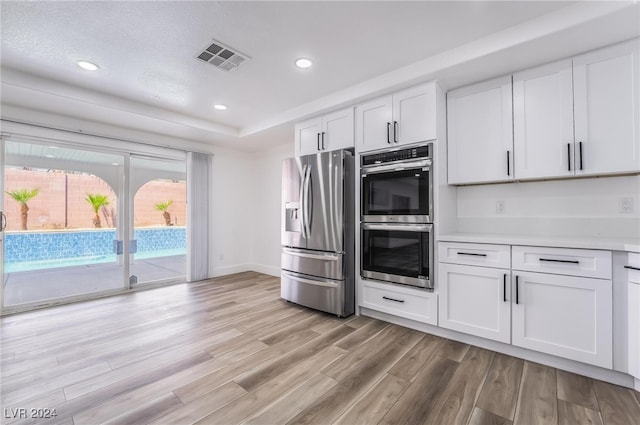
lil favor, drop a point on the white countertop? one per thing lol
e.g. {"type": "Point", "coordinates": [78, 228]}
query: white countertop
{"type": "Point", "coordinates": [589, 242]}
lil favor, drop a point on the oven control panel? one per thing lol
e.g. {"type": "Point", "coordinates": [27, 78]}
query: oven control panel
{"type": "Point", "coordinates": [396, 155]}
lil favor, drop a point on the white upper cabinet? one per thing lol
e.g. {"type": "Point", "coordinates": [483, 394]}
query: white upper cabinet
{"type": "Point", "coordinates": [307, 136]}
{"type": "Point", "coordinates": [373, 124]}
{"type": "Point", "coordinates": [326, 133]}
{"type": "Point", "coordinates": [480, 132]}
{"type": "Point", "coordinates": [579, 116]}
{"type": "Point", "coordinates": [606, 86]}
{"type": "Point", "coordinates": [414, 114]}
{"type": "Point", "coordinates": [543, 121]}
{"type": "Point", "coordinates": [406, 117]}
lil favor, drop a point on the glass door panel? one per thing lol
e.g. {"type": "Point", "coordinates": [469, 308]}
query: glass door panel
{"type": "Point", "coordinates": [63, 232]}
{"type": "Point", "coordinates": [158, 243]}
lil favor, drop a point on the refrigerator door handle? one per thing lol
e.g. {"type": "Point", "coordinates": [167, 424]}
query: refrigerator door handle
{"type": "Point", "coordinates": [322, 282]}
{"type": "Point", "coordinates": [308, 202]}
{"type": "Point", "coordinates": [303, 205]}
{"type": "Point", "coordinates": [325, 257]}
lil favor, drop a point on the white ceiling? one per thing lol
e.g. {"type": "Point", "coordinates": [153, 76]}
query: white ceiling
{"type": "Point", "coordinates": [150, 80]}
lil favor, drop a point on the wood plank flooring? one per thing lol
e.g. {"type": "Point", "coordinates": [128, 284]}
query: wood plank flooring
{"type": "Point", "coordinates": [229, 351]}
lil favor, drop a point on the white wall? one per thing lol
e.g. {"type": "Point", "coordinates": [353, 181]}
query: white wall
{"type": "Point", "coordinates": [233, 212]}
{"type": "Point", "coordinates": [267, 169]}
{"type": "Point", "coordinates": [572, 207]}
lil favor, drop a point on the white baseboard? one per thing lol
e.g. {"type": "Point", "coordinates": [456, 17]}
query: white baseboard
{"type": "Point", "coordinates": [266, 269]}
{"type": "Point", "coordinates": [595, 372]}
{"type": "Point", "coordinates": [247, 267]}
{"type": "Point", "coordinates": [236, 268]}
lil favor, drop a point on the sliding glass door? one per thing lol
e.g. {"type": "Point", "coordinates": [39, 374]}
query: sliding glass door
{"type": "Point", "coordinates": [159, 243]}
{"type": "Point", "coordinates": [81, 222]}
{"type": "Point", "coordinates": [61, 206]}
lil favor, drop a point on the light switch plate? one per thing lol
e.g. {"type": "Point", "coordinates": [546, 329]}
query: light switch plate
{"type": "Point", "coordinates": [626, 205]}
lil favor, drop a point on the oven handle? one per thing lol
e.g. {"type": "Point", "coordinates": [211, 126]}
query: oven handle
{"type": "Point", "coordinates": [400, 227]}
{"type": "Point", "coordinates": [396, 166]}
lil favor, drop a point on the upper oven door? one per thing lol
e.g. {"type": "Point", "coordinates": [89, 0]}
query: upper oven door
{"type": "Point", "coordinates": [398, 192]}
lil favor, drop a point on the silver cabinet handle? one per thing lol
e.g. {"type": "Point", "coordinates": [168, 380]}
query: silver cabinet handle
{"type": "Point", "coordinates": [3, 221]}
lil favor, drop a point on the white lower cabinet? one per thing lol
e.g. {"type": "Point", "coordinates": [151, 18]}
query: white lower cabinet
{"type": "Point", "coordinates": [414, 304]}
{"type": "Point", "coordinates": [475, 300]}
{"type": "Point", "coordinates": [566, 316]}
{"type": "Point", "coordinates": [553, 300]}
{"type": "Point", "coordinates": [633, 308]}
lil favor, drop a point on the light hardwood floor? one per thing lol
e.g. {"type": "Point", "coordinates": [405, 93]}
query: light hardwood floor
{"type": "Point", "coordinates": [229, 351]}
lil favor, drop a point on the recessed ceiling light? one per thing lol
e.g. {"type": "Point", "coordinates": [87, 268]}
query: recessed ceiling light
{"type": "Point", "coordinates": [220, 107]}
{"type": "Point", "coordinates": [114, 163]}
{"type": "Point", "coordinates": [50, 156]}
{"type": "Point", "coordinates": [303, 63]}
{"type": "Point", "coordinates": [88, 65]}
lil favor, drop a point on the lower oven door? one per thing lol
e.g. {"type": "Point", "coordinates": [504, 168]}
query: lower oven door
{"type": "Point", "coordinates": [399, 253]}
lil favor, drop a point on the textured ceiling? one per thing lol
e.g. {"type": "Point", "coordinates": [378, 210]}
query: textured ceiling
{"type": "Point", "coordinates": [148, 71]}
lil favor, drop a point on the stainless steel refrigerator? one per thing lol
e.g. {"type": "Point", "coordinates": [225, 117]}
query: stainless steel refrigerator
{"type": "Point", "coordinates": [318, 232]}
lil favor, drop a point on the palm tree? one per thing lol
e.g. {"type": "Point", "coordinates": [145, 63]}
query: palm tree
{"type": "Point", "coordinates": [23, 196]}
{"type": "Point", "coordinates": [97, 201]}
{"type": "Point", "coordinates": [163, 207]}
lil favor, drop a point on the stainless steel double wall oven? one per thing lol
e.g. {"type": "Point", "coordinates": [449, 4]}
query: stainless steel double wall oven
{"type": "Point", "coordinates": [397, 216]}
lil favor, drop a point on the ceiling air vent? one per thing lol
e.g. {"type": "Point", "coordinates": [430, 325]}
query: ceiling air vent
{"type": "Point", "coordinates": [221, 56]}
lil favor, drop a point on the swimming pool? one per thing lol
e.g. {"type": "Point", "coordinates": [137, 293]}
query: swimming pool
{"type": "Point", "coordinates": [26, 251]}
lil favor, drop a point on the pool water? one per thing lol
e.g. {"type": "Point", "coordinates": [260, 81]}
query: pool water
{"type": "Point", "coordinates": [24, 266]}
{"type": "Point", "coordinates": [37, 250]}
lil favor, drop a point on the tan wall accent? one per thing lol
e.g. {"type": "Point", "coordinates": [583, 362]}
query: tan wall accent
{"type": "Point", "coordinates": [47, 210]}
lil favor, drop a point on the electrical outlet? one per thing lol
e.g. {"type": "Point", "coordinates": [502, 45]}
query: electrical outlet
{"type": "Point", "coordinates": [499, 207]}
{"type": "Point", "coordinates": [626, 205]}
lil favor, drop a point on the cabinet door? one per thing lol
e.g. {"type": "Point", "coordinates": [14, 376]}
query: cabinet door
{"type": "Point", "coordinates": [565, 316]}
{"type": "Point", "coordinates": [475, 300]}
{"type": "Point", "coordinates": [543, 122]}
{"type": "Point", "coordinates": [480, 132]}
{"type": "Point", "coordinates": [373, 122]}
{"type": "Point", "coordinates": [633, 309]}
{"type": "Point", "coordinates": [401, 301]}
{"type": "Point", "coordinates": [414, 115]}
{"type": "Point", "coordinates": [607, 110]}
{"type": "Point", "coordinates": [338, 130]}
{"type": "Point", "coordinates": [307, 137]}
{"type": "Point", "coordinates": [634, 328]}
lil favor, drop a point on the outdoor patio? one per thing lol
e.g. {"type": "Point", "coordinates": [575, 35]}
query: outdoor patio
{"type": "Point", "coordinates": [47, 284]}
